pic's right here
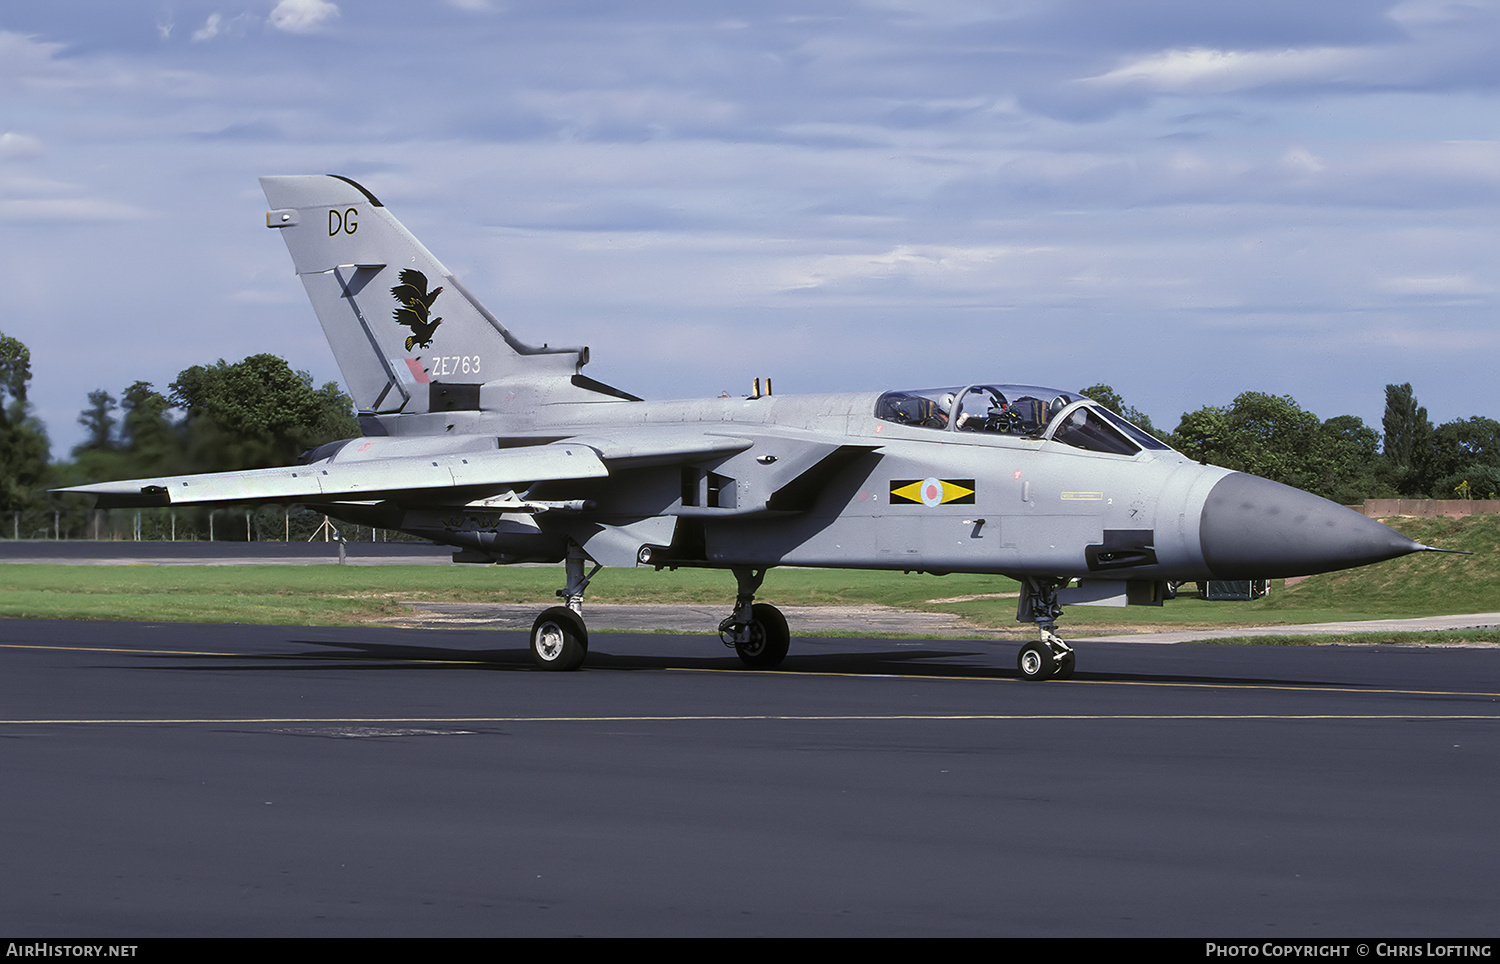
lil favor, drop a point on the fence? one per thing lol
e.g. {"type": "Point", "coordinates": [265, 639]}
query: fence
{"type": "Point", "coordinates": [266, 524]}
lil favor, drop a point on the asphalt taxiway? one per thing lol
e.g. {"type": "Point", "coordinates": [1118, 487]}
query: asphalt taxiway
{"type": "Point", "coordinates": [213, 780]}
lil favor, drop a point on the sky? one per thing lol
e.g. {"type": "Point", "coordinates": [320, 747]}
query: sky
{"type": "Point", "coordinates": [1184, 200]}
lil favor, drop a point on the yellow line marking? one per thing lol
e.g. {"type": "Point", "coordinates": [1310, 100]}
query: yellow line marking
{"type": "Point", "coordinates": [1288, 687]}
{"type": "Point", "coordinates": [112, 649]}
{"type": "Point", "coordinates": [189, 652]}
{"type": "Point", "coordinates": [771, 718]}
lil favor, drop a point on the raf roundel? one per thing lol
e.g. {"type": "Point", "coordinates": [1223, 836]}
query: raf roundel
{"type": "Point", "coordinates": [932, 492]}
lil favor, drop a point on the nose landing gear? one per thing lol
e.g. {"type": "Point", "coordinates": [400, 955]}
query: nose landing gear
{"type": "Point", "coordinates": [1048, 657]}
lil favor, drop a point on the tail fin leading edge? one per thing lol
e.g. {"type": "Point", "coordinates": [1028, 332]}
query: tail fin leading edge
{"type": "Point", "coordinates": [407, 336]}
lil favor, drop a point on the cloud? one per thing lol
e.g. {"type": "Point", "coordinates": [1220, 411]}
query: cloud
{"type": "Point", "coordinates": [1205, 71]}
{"type": "Point", "coordinates": [209, 30]}
{"type": "Point", "coordinates": [66, 209]}
{"type": "Point", "coordinates": [1435, 45]}
{"type": "Point", "coordinates": [303, 16]}
{"type": "Point", "coordinates": [13, 145]}
{"type": "Point", "coordinates": [217, 25]}
{"type": "Point", "coordinates": [1425, 13]}
{"type": "Point", "coordinates": [627, 112]}
{"type": "Point", "coordinates": [1446, 285]}
{"type": "Point", "coordinates": [24, 58]}
{"type": "Point", "coordinates": [926, 264]}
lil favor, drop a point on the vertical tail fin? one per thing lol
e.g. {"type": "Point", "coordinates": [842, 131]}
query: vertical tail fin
{"type": "Point", "coordinates": [407, 336]}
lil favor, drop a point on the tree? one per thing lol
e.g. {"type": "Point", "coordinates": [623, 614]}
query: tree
{"type": "Point", "coordinates": [1408, 440]}
{"type": "Point", "coordinates": [1274, 437]}
{"type": "Point", "coordinates": [1465, 450]}
{"type": "Point", "coordinates": [250, 414]}
{"type": "Point", "coordinates": [1265, 435]}
{"type": "Point", "coordinates": [257, 412]}
{"type": "Point", "coordinates": [23, 443]}
{"type": "Point", "coordinates": [99, 455]}
{"type": "Point", "coordinates": [150, 439]}
{"type": "Point", "coordinates": [1106, 395]}
{"type": "Point", "coordinates": [1347, 461]}
{"type": "Point", "coordinates": [1463, 442]}
{"type": "Point", "coordinates": [99, 420]}
{"type": "Point", "coordinates": [143, 441]}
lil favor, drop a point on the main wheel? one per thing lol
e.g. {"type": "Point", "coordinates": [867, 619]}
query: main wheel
{"type": "Point", "coordinates": [769, 638]}
{"type": "Point", "coordinates": [1065, 666]}
{"type": "Point", "coordinates": [559, 640]}
{"type": "Point", "coordinates": [1036, 662]}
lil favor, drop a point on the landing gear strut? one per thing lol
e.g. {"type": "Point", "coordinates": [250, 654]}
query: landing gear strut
{"type": "Point", "coordinates": [1049, 657]}
{"type": "Point", "coordinates": [559, 638]}
{"type": "Point", "coordinates": [757, 631]}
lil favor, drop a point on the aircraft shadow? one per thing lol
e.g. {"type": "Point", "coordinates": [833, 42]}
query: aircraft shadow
{"type": "Point", "coordinates": [952, 663]}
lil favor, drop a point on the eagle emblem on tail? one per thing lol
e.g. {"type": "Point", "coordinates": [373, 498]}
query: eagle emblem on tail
{"type": "Point", "coordinates": [416, 304]}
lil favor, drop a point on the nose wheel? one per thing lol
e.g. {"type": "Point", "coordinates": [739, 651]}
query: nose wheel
{"type": "Point", "coordinates": [1046, 658]}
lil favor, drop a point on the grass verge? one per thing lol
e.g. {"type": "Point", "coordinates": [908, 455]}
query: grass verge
{"type": "Point", "coordinates": [1417, 585]}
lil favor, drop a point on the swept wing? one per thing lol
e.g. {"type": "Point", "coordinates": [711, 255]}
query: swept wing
{"type": "Point", "coordinates": [374, 471]}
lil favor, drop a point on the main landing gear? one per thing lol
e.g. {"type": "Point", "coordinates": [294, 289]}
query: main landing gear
{"type": "Point", "coordinates": [1049, 657]}
{"type": "Point", "coordinates": [756, 631]}
{"type": "Point", "coordinates": [559, 639]}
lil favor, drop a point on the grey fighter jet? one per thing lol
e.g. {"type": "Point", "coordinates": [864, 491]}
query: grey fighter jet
{"type": "Point", "coordinates": [475, 439]}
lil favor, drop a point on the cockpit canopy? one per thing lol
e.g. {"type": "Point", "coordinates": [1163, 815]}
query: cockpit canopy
{"type": "Point", "coordinates": [1026, 411]}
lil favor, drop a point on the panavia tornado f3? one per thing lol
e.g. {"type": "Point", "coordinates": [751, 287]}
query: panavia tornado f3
{"type": "Point", "coordinates": [475, 439]}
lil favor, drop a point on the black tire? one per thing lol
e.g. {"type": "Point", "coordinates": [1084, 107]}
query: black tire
{"type": "Point", "coordinates": [559, 640]}
{"type": "Point", "coordinates": [1036, 662]}
{"type": "Point", "coordinates": [769, 638]}
{"type": "Point", "coordinates": [1065, 666]}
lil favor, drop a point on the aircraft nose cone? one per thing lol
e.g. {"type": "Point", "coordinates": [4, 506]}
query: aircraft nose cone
{"type": "Point", "coordinates": [1253, 528]}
